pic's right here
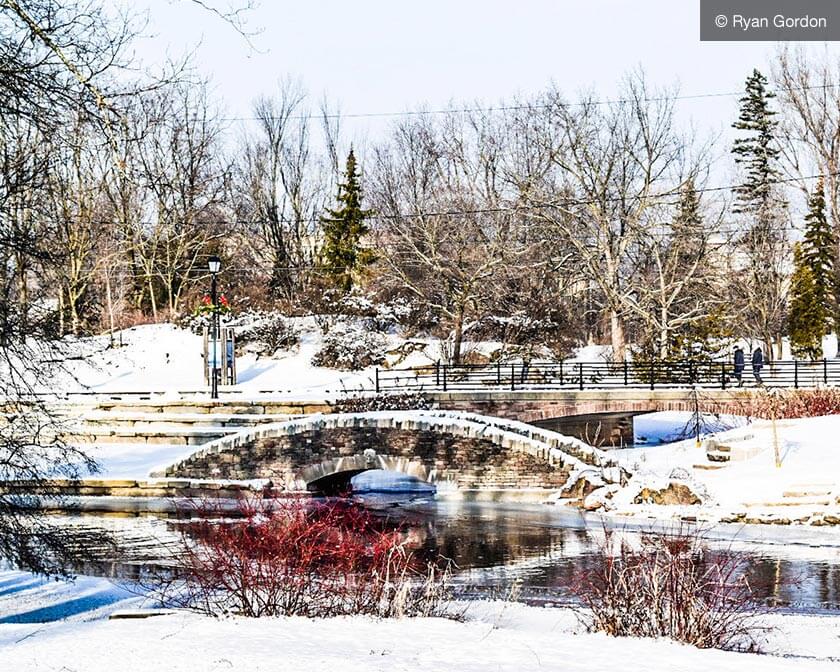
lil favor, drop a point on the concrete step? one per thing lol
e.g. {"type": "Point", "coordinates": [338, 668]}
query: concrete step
{"type": "Point", "coordinates": [718, 455]}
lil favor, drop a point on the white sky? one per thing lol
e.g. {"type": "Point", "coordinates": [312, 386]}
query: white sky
{"type": "Point", "coordinates": [374, 56]}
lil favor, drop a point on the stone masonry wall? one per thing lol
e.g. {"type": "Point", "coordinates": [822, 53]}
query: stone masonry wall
{"type": "Point", "coordinates": [463, 462]}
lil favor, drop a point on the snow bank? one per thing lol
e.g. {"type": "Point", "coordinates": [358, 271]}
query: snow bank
{"type": "Point", "coordinates": [496, 635]}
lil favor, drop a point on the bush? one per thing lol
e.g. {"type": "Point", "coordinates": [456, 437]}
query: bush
{"type": "Point", "coordinates": [265, 332]}
{"type": "Point", "coordinates": [383, 402]}
{"type": "Point", "coordinates": [782, 404]}
{"type": "Point", "coordinates": [301, 558]}
{"type": "Point", "coordinates": [350, 348]}
{"type": "Point", "coordinates": [671, 586]}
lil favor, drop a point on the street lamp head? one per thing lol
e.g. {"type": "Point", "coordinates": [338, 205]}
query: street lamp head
{"type": "Point", "coordinates": [214, 264]}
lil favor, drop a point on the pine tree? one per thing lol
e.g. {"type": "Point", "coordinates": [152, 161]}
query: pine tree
{"type": "Point", "coordinates": [806, 317]}
{"type": "Point", "coordinates": [342, 257]}
{"type": "Point", "coordinates": [818, 252]}
{"type": "Point", "coordinates": [758, 151]}
{"type": "Point", "coordinates": [760, 282]}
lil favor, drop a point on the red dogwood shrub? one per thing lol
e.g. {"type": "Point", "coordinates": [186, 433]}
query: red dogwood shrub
{"type": "Point", "coordinates": [781, 404]}
{"type": "Point", "coordinates": [301, 557]}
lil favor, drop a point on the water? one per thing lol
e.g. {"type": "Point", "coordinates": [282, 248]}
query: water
{"type": "Point", "coordinates": [538, 549]}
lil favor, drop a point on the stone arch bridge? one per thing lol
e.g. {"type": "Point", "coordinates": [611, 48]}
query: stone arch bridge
{"type": "Point", "coordinates": [458, 452]}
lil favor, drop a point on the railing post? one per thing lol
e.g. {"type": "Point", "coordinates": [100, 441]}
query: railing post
{"type": "Point", "coordinates": [796, 373]}
{"type": "Point", "coordinates": [498, 373]}
{"type": "Point", "coordinates": [437, 373]}
{"type": "Point", "coordinates": [625, 373]}
{"type": "Point", "coordinates": [377, 380]}
{"type": "Point", "coordinates": [512, 377]}
{"type": "Point", "coordinates": [561, 374]}
{"type": "Point", "coordinates": [825, 371]}
{"type": "Point", "coordinates": [444, 377]}
{"type": "Point", "coordinates": [723, 375]}
{"type": "Point", "coordinates": [652, 373]}
{"type": "Point", "coordinates": [580, 374]}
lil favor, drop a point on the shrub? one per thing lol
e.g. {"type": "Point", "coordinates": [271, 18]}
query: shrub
{"type": "Point", "coordinates": [383, 402]}
{"type": "Point", "coordinates": [265, 332]}
{"type": "Point", "coordinates": [803, 403]}
{"type": "Point", "coordinates": [301, 558]}
{"type": "Point", "coordinates": [350, 348]}
{"type": "Point", "coordinates": [670, 586]}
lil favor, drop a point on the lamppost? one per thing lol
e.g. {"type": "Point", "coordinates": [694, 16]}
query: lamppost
{"type": "Point", "coordinates": [214, 264]}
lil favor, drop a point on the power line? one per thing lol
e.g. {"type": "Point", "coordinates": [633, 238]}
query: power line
{"type": "Point", "coordinates": [507, 108]}
{"type": "Point", "coordinates": [562, 203]}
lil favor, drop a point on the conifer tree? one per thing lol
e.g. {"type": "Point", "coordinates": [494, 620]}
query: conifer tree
{"type": "Point", "coordinates": [818, 252]}
{"type": "Point", "coordinates": [806, 317]}
{"type": "Point", "coordinates": [757, 151]}
{"type": "Point", "coordinates": [759, 280]}
{"type": "Point", "coordinates": [342, 257]}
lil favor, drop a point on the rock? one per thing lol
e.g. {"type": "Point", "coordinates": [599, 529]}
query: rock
{"type": "Point", "coordinates": [679, 474]}
{"type": "Point", "coordinates": [600, 498]}
{"type": "Point", "coordinates": [673, 494]}
{"type": "Point", "coordinates": [586, 483]}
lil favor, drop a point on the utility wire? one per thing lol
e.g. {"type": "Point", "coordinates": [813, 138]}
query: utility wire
{"type": "Point", "coordinates": [499, 209]}
{"type": "Point", "coordinates": [506, 108]}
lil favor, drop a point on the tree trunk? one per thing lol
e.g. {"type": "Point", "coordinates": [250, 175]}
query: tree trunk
{"type": "Point", "coordinates": [617, 336]}
{"type": "Point", "coordinates": [458, 335]}
{"type": "Point", "coordinates": [663, 332]}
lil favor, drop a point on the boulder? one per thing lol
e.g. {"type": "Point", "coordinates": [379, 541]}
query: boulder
{"type": "Point", "coordinates": [675, 493]}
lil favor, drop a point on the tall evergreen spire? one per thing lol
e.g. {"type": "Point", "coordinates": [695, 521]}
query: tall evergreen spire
{"type": "Point", "coordinates": [342, 257]}
{"type": "Point", "coordinates": [818, 252]}
{"type": "Point", "coordinates": [806, 317]}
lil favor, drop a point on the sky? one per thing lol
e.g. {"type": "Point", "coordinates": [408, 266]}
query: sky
{"type": "Point", "coordinates": [377, 56]}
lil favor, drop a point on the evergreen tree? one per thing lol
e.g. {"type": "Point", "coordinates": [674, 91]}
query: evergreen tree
{"type": "Point", "coordinates": [342, 257]}
{"type": "Point", "coordinates": [759, 280]}
{"type": "Point", "coordinates": [757, 151]}
{"type": "Point", "coordinates": [818, 252]}
{"type": "Point", "coordinates": [806, 318]}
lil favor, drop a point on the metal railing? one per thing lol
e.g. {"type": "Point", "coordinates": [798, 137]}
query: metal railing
{"type": "Point", "coordinates": [604, 375]}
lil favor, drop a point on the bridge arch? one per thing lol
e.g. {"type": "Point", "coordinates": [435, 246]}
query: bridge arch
{"type": "Point", "coordinates": [454, 451]}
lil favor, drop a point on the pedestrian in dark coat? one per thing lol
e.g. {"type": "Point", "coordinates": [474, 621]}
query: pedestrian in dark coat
{"type": "Point", "coordinates": [758, 364]}
{"type": "Point", "coordinates": [739, 366]}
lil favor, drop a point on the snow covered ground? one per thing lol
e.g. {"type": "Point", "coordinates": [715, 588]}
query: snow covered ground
{"type": "Point", "coordinates": [806, 479]}
{"type": "Point", "coordinates": [164, 357]}
{"type": "Point", "coordinates": [59, 626]}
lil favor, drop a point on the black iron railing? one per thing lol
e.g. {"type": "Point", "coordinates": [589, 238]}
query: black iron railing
{"type": "Point", "coordinates": [604, 375]}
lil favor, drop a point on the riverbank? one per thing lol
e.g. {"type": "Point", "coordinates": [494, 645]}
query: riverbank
{"type": "Point", "coordinates": [79, 635]}
{"type": "Point", "coordinates": [781, 473]}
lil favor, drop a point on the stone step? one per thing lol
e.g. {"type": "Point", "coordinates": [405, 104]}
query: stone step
{"type": "Point", "coordinates": [718, 456]}
{"type": "Point", "coordinates": [808, 492]}
{"type": "Point", "coordinates": [791, 502]}
{"type": "Point", "coordinates": [709, 466]}
{"type": "Point", "coordinates": [178, 420]}
{"type": "Point", "coordinates": [127, 435]}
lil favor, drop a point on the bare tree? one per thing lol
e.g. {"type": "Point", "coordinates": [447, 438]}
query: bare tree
{"type": "Point", "coordinates": [453, 262]}
{"type": "Point", "coordinates": [285, 184]}
{"type": "Point", "coordinates": [609, 165]}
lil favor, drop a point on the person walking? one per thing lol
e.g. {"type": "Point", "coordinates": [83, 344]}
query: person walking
{"type": "Point", "coordinates": [739, 366]}
{"type": "Point", "coordinates": [758, 364]}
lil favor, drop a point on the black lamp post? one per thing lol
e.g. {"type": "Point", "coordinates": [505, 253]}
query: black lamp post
{"type": "Point", "coordinates": [214, 264]}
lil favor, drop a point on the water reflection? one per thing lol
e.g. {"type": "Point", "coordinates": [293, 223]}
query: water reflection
{"type": "Point", "coordinates": [541, 548]}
